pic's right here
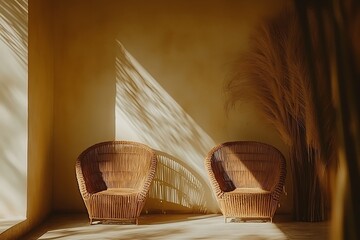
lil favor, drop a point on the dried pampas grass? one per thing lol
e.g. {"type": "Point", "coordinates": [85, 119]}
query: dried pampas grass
{"type": "Point", "coordinates": [274, 75]}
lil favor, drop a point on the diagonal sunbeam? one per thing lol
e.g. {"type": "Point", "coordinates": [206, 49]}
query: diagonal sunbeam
{"type": "Point", "coordinates": [146, 112]}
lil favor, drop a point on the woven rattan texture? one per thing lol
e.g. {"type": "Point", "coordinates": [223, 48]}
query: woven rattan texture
{"type": "Point", "coordinates": [114, 178]}
{"type": "Point", "coordinates": [247, 178]}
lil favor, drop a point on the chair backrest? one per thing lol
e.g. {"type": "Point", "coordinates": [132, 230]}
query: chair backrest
{"type": "Point", "coordinates": [116, 164]}
{"type": "Point", "coordinates": [245, 164]}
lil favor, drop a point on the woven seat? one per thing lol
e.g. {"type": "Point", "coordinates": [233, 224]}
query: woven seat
{"type": "Point", "coordinates": [118, 191]}
{"type": "Point", "coordinates": [248, 190]}
{"type": "Point", "coordinates": [114, 178]}
{"type": "Point", "coordinates": [247, 178]}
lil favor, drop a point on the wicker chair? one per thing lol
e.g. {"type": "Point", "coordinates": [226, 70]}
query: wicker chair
{"type": "Point", "coordinates": [247, 178]}
{"type": "Point", "coordinates": [114, 178]}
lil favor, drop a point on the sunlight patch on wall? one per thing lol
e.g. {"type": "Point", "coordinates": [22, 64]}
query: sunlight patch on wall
{"type": "Point", "coordinates": [145, 112]}
{"type": "Point", "coordinates": [13, 107]}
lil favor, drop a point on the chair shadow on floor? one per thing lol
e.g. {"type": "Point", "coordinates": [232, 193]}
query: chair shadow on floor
{"type": "Point", "coordinates": [176, 188]}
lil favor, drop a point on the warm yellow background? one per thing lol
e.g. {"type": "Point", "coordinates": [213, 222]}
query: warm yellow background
{"type": "Point", "coordinates": [187, 46]}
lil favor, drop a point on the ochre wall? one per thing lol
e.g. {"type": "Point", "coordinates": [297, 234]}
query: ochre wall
{"type": "Point", "coordinates": [187, 46]}
{"type": "Point", "coordinates": [41, 112]}
{"type": "Point", "coordinates": [40, 118]}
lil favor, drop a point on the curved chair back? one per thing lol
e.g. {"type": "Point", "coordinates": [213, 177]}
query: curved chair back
{"type": "Point", "coordinates": [245, 164]}
{"type": "Point", "coordinates": [116, 164]}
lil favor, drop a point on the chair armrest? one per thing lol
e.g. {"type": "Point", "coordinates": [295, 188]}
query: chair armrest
{"type": "Point", "coordinates": [216, 186]}
{"type": "Point", "coordinates": [81, 181]}
{"type": "Point", "coordinates": [278, 188]}
{"type": "Point", "coordinates": [149, 178]}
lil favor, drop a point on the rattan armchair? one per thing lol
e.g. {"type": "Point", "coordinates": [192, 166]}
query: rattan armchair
{"type": "Point", "coordinates": [247, 178]}
{"type": "Point", "coordinates": [114, 178]}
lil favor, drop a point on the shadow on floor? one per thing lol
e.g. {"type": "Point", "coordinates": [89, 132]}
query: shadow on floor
{"type": "Point", "coordinates": [177, 226]}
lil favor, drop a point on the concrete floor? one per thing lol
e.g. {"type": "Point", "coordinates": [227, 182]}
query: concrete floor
{"type": "Point", "coordinates": [181, 226]}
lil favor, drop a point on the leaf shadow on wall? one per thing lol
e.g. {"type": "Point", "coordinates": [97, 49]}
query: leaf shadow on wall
{"type": "Point", "coordinates": [148, 112]}
{"type": "Point", "coordinates": [13, 27]}
{"type": "Point", "coordinates": [13, 107]}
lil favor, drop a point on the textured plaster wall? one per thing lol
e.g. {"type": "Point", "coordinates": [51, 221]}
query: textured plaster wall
{"type": "Point", "coordinates": [40, 119]}
{"type": "Point", "coordinates": [188, 47]}
{"type": "Point", "coordinates": [41, 112]}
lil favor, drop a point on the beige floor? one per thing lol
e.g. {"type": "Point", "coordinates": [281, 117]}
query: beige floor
{"type": "Point", "coordinates": [178, 227]}
{"type": "Point", "coordinates": [7, 223]}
